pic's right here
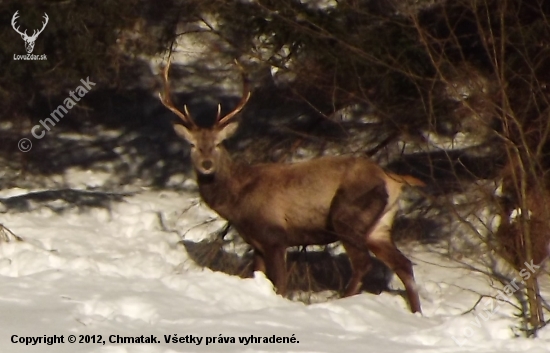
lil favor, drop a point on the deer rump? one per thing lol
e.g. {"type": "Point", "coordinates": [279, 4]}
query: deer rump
{"type": "Point", "coordinates": [275, 206]}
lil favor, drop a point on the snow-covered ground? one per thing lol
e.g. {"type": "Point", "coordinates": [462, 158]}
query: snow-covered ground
{"type": "Point", "coordinates": [103, 272]}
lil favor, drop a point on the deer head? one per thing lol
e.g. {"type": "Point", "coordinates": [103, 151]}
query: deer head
{"type": "Point", "coordinates": [29, 40]}
{"type": "Point", "coordinates": [206, 143]}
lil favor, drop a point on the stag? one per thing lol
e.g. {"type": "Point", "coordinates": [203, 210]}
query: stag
{"type": "Point", "coordinates": [29, 40]}
{"type": "Point", "coordinates": [275, 206]}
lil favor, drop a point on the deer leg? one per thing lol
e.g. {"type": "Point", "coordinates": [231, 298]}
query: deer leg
{"type": "Point", "coordinates": [354, 213]}
{"type": "Point", "coordinates": [275, 264]}
{"type": "Point", "coordinates": [360, 264]}
{"type": "Point", "coordinates": [386, 251]}
{"type": "Point", "coordinates": [258, 261]}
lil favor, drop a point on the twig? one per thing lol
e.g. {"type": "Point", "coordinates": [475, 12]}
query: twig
{"type": "Point", "coordinates": [5, 233]}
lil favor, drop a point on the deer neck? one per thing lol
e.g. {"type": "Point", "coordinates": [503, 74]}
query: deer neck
{"type": "Point", "coordinates": [220, 191]}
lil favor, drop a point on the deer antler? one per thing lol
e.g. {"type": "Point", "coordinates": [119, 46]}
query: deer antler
{"type": "Point", "coordinates": [13, 24]}
{"type": "Point", "coordinates": [242, 103]}
{"type": "Point", "coordinates": [167, 101]}
{"type": "Point", "coordinates": [35, 33]}
{"type": "Point", "coordinates": [46, 19]}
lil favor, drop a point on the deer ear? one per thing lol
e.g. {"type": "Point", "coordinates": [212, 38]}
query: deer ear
{"type": "Point", "coordinates": [184, 133]}
{"type": "Point", "coordinates": [226, 132]}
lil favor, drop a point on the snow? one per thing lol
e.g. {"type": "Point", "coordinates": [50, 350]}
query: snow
{"type": "Point", "coordinates": [117, 270]}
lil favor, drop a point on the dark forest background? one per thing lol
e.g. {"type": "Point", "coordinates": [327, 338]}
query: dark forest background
{"type": "Point", "coordinates": [455, 93]}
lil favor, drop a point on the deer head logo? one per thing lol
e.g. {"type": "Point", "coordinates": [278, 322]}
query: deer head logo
{"type": "Point", "coordinates": [29, 40]}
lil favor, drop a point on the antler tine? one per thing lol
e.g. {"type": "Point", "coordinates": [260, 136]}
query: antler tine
{"type": "Point", "coordinates": [187, 114]}
{"type": "Point", "coordinates": [243, 101]}
{"type": "Point", "coordinates": [44, 23]}
{"type": "Point", "coordinates": [218, 116]}
{"type": "Point", "coordinates": [167, 101]}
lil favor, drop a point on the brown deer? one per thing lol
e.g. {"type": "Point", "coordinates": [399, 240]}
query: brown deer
{"type": "Point", "coordinates": [318, 202]}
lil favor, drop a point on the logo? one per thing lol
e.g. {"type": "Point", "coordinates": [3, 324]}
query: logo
{"type": "Point", "coordinates": [29, 40]}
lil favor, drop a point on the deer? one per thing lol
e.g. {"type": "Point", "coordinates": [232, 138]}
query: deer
{"type": "Point", "coordinates": [274, 206]}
